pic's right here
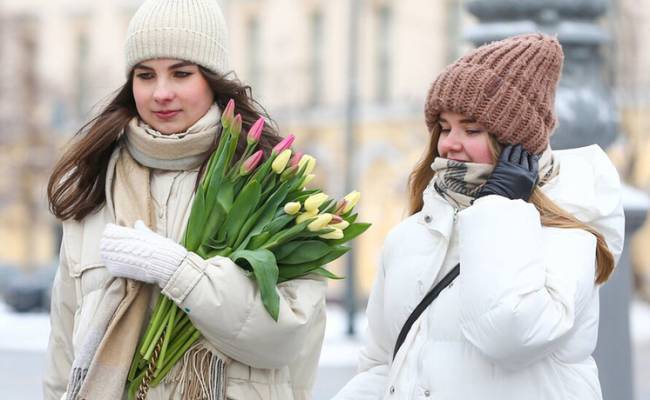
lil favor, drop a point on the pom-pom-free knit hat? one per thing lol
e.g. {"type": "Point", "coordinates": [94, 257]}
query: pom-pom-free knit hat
{"type": "Point", "coordinates": [507, 86]}
{"type": "Point", "coordinates": [191, 30]}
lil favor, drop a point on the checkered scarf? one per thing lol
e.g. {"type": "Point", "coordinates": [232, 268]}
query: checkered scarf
{"type": "Point", "coordinates": [459, 182]}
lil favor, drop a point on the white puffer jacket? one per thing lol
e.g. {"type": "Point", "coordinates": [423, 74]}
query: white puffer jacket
{"type": "Point", "coordinates": [270, 360]}
{"type": "Point", "coordinates": [521, 320]}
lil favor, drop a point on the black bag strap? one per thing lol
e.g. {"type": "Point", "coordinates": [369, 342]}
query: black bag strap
{"type": "Point", "coordinates": [428, 299]}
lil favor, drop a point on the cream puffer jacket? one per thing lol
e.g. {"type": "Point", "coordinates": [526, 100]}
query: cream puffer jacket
{"type": "Point", "coordinates": [521, 319]}
{"type": "Point", "coordinates": [269, 360]}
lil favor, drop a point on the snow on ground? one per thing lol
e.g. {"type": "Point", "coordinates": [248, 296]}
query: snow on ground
{"type": "Point", "coordinates": [339, 349]}
{"type": "Point", "coordinates": [640, 321]}
{"type": "Point", "coordinates": [30, 332]}
{"type": "Point", "coordinates": [23, 331]}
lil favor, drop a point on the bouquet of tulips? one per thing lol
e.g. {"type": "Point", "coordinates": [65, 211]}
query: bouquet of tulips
{"type": "Point", "coordinates": [259, 214]}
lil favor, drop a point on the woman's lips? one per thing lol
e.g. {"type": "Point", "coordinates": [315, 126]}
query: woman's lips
{"type": "Point", "coordinates": [166, 114]}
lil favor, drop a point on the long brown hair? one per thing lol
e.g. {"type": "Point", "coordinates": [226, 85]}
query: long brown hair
{"type": "Point", "coordinates": [551, 214]}
{"type": "Point", "coordinates": [76, 185]}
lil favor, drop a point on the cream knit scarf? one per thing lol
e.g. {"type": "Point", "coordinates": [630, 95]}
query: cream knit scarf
{"type": "Point", "coordinates": [100, 370]}
{"type": "Point", "coordinates": [459, 182]}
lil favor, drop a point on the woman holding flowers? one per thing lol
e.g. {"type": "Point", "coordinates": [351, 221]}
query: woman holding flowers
{"type": "Point", "coordinates": [141, 159]}
{"type": "Point", "coordinates": [517, 239]}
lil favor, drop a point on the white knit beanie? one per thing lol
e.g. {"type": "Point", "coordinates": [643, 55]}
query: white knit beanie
{"type": "Point", "coordinates": [190, 30]}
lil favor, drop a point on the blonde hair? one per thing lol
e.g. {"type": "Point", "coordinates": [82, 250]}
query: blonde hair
{"type": "Point", "coordinates": [551, 214]}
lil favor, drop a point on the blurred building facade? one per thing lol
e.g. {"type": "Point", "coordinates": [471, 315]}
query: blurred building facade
{"type": "Point", "coordinates": [631, 80]}
{"type": "Point", "coordinates": [59, 58]}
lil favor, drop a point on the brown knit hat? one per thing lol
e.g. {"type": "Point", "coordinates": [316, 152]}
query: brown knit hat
{"type": "Point", "coordinates": [507, 86]}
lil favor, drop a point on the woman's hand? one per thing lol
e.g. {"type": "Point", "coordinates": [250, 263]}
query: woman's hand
{"type": "Point", "coordinates": [514, 176]}
{"type": "Point", "coordinates": [140, 254]}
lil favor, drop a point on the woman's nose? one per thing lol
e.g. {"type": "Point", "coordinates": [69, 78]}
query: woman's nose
{"type": "Point", "coordinates": [450, 142]}
{"type": "Point", "coordinates": [163, 92]}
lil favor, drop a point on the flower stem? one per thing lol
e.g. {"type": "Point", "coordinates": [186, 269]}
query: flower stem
{"type": "Point", "coordinates": [168, 334]}
{"type": "Point", "coordinates": [158, 311]}
{"type": "Point", "coordinates": [160, 327]}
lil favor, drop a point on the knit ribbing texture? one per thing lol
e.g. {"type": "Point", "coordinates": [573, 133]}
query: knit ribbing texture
{"type": "Point", "coordinates": [508, 86]}
{"type": "Point", "coordinates": [140, 254]}
{"type": "Point", "coordinates": [190, 30]}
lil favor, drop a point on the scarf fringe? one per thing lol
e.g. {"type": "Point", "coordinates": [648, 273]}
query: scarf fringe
{"type": "Point", "coordinates": [77, 378]}
{"type": "Point", "coordinates": [200, 374]}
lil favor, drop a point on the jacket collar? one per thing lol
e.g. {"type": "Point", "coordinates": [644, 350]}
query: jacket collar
{"type": "Point", "coordinates": [437, 214]}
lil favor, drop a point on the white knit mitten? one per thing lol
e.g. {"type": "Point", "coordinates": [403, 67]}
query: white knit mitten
{"type": "Point", "coordinates": [140, 254]}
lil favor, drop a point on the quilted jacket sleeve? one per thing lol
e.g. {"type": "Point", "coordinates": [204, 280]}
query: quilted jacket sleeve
{"type": "Point", "coordinates": [60, 355]}
{"type": "Point", "coordinates": [225, 305]}
{"type": "Point", "coordinates": [521, 285]}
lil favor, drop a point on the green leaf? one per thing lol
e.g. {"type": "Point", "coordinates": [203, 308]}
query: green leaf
{"type": "Point", "coordinates": [301, 252]}
{"type": "Point", "coordinates": [292, 271]}
{"type": "Point", "coordinates": [265, 271]}
{"type": "Point", "coordinates": [193, 230]}
{"type": "Point", "coordinates": [324, 272]}
{"type": "Point", "coordinates": [245, 204]}
{"type": "Point", "coordinates": [286, 235]}
{"type": "Point", "coordinates": [213, 167]}
{"type": "Point", "coordinates": [260, 219]}
{"type": "Point", "coordinates": [279, 222]}
{"type": "Point", "coordinates": [351, 232]}
{"type": "Point", "coordinates": [226, 195]}
{"type": "Point", "coordinates": [214, 176]}
{"type": "Point", "coordinates": [328, 206]}
{"type": "Point", "coordinates": [301, 195]}
{"type": "Point", "coordinates": [289, 272]}
{"type": "Point", "coordinates": [258, 240]}
{"type": "Point", "coordinates": [211, 224]}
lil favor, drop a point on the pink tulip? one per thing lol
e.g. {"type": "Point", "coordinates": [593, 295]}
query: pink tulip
{"type": "Point", "coordinates": [251, 163]}
{"type": "Point", "coordinates": [235, 128]}
{"type": "Point", "coordinates": [283, 145]}
{"type": "Point", "coordinates": [255, 132]}
{"type": "Point", "coordinates": [340, 206]}
{"type": "Point", "coordinates": [295, 159]}
{"type": "Point", "coordinates": [228, 114]}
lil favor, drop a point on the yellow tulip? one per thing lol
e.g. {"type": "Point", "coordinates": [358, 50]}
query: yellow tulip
{"type": "Point", "coordinates": [292, 208]}
{"type": "Point", "coordinates": [320, 222]}
{"type": "Point", "coordinates": [281, 161]}
{"type": "Point", "coordinates": [340, 225]}
{"type": "Point", "coordinates": [315, 200]}
{"type": "Point", "coordinates": [305, 216]}
{"type": "Point", "coordinates": [335, 234]}
{"type": "Point", "coordinates": [310, 161]}
{"type": "Point", "coordinates": [351, 200]}
{"type": "Point", "coordinates": [308, 179]}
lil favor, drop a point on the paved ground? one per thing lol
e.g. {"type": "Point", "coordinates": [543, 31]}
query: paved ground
{"type": "Point", "coordinates": [23, 340]}
{"type": "Point", "coordinates": [21, 373]}
{"type": "Point", "coordinates": [642, 370]}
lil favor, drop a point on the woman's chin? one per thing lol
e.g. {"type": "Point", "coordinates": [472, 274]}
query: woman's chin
{"type": "Point", "coordinates": [168, 128]}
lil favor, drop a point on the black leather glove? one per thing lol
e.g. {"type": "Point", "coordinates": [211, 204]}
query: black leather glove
{"type": "Point", "coordinates": [514, 176]}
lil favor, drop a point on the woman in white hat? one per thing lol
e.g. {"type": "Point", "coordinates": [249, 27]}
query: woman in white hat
{"type": "Point", "coordinates": [141, 159]}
